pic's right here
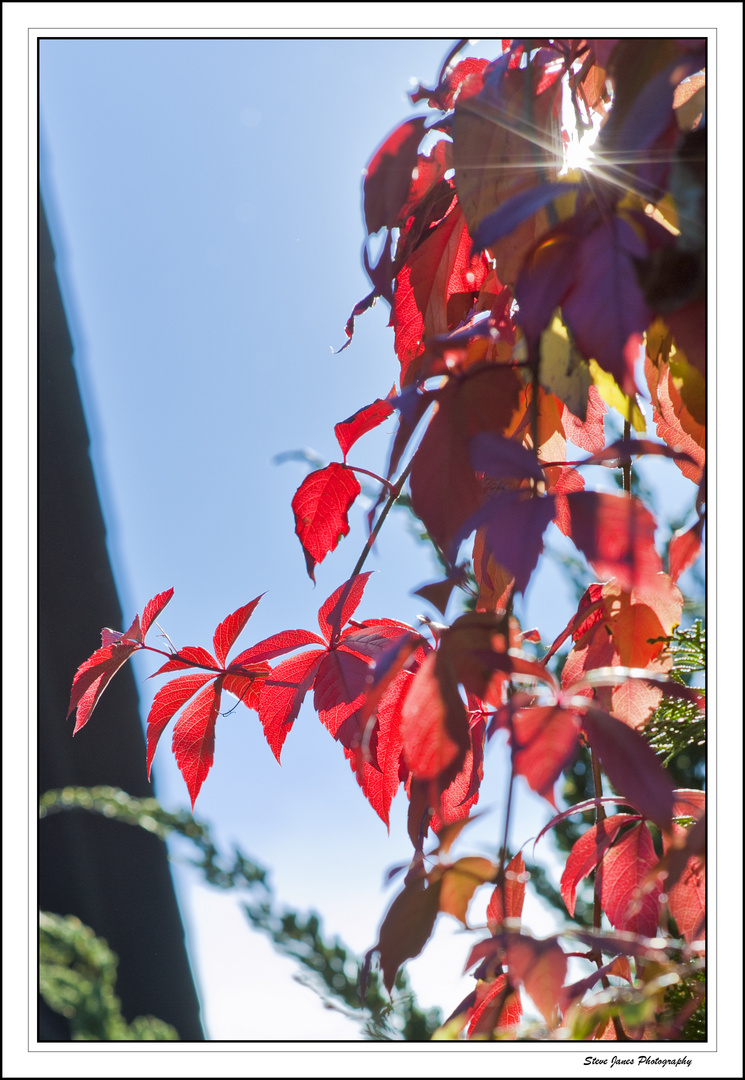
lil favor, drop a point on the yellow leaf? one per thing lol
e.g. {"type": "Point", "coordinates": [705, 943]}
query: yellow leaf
{"type": "Point", "coordinates": [563, 370]}
{"type": "Point", "coordinates": [690, 384]}
{"type": "Point", "coordinates": [460, 882]}
{"type": "Point", "coordinates": [687, 380]}
{"type": "Point", "coordinates": [613, 396]}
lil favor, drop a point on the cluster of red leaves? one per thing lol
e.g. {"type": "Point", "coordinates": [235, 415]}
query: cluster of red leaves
{"type": "Point", "coordinates": [194, 732]}
{"type": "Point", "coordinates": [519, 301]}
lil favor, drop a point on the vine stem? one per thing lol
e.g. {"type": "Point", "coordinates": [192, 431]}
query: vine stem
{"type": "Point", "coordinates": [395, 491]}
{"type": "Point", "coordinates": [357, 469]}
{"type": "Point", "coordinates": [600, 815]}
{"type": "Point", "coordinates": [597, 912]}
{"type": "Point", "coordinates": [503, 863]}
{"type": "Point", "coordinates": [626, 466]}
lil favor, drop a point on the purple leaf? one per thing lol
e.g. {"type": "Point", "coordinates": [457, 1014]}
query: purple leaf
{"type": "Point", "coordinates": [503, 458]}
{"type": "Point", "coordinates": [631, 765]}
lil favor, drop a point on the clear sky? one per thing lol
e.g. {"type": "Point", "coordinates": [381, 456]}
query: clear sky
{"type": "Point", "coordinates": [204, 199]}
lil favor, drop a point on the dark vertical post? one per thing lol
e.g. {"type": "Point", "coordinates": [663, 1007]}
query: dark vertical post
{"type": "Point", "coordinates": [113, 877]}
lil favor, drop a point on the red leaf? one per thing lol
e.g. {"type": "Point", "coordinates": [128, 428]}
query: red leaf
{"type": "Point", "coordinates": [153, 609]}
{"type": "Point", "coordinates": [321, 505]}
{"type": "Point", "coordinates": [194, 737]}
{"type": "Point", "coordinates": [622, 875]}
{"type": "Point", "coordinates": [388, 176]}
{"type": "Point", "coordinates": [339, 608]}
{"type": "Point", "coordinates": [545, 739]}
{"type": "Point", "coordinates": [589, 435]}
{"type": "Point", "coordinates": [93, 676]}
{"type": "Point", "coordinates": [502, 458]}
{"type": "Point", "coordinates": [354, 427]}
{"type": "Point", "coordinates": [674, 423]}
{"type": "Point", "coordinates": [616, 533]}
{"type": "Point", "coordinates": [282, 695]}
{"type": "Point", "coordinates": [284, 642]}
{"type": "Point", "coordinates": [189, 656]}
{"type": "Point", "coordinates": [587, 852]}
{"type": "Point", "coordinates": [483, 1020]}
{"type": "Point", "coordinates": [375, 637]}
{"type": "Point", "coordinates": [464, 79]}
{"type": "Point", "coordinates": [561, 480]}
{"type": "Point", "coordinates": [429, 170]}
{"type": "Point", "coordinates": [379, 785]}
{"type": "Point", "coordinates": [462, 793]}
{"type": "Point", "coordinates": [687, 901]}
{"type": "Point", "coordinates": [434, 724]}
{"type": "Point", "coordinates": [166, 704]}
{"type": "Point", "coordinates": [579, 808]}
{"type": "Point", "coordinates": [247, 688]}
{"type": "Point", "coordinates": [541, 967]}
{"type": "Point", "coordinates": [339, 691]}
{"type": "Point", "coordinates": [624, 630]}
{"type": "Point", "coordinates": [438, 268]}
{"type": "Point", "coordinates": [685, 548]}
{"type": "Point", "coordinates": [229, 629]}
{"type": "Point", "coordinates": [507, 900]}
{"type": "Point", "coordinates": [388, 666]}
{"type": "Point", "coordinates": [631, 765]}
{"type": "Point", "coordinates": [685, 884]}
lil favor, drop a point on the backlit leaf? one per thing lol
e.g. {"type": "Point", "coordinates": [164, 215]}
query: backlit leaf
{"type": "Point", "coordinates": [541, 967]}
{"type": "Point", "coordinates": [379, 785]}
{"type": "Point", "coordinates": [622, 874]}
{"type": "Point", "coordinates": [490, 997]}
{"type": "Point", "coordinates": [685, 548]}
{"type": "Point", "coordinates": [507, 899]}
{"type": "Point", "coordinates": [354, 427]}
{"type": "Point", "coordinates": [229, 629]}
{"type": "Point", "coordinates": [93, 676]}
{"type": "Point", "coordinates": [588, 852]}
{"type": "Point", "coordinates": [339, 691]}
{"type": "Point", "coordinates": [166, 704]}
{"type": "Point", "coordinates": [616, 534]}
{"type": "Point", "coordinates": [321, 505]}
{"type": "Point", "coordinates": [339, 608]}
{"type": "Point", "coordinates": [545, 739]}
{"type": "Point", "coordinates": [434, 724]}
{"type": "Point", "coordinates": [153, 609]}
{"type": "Point", "coordinates": [283, 642]}
{"type": "Point", "coordinates": [563, 370]}
{"type": "Point", "coordinates": [282, 695]}
{"type": "Point", "coordinates": [189, 656]}
{"type": "Point", "coordinates": [444, 486]}
{"type": "Point", "coordinates": [194, 737]}
{"type": "Point", "coordinates": [440, 267]}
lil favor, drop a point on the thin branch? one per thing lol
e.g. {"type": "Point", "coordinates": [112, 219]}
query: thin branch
{"type": "Point", "coordinates": [395, 491]}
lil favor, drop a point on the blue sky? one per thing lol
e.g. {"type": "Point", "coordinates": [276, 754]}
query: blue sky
{"type": "Point", "coordinates": [204, 198]}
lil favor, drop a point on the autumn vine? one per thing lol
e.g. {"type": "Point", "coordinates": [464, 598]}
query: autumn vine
{"type": "Point", "coordinates": [530, 301]}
